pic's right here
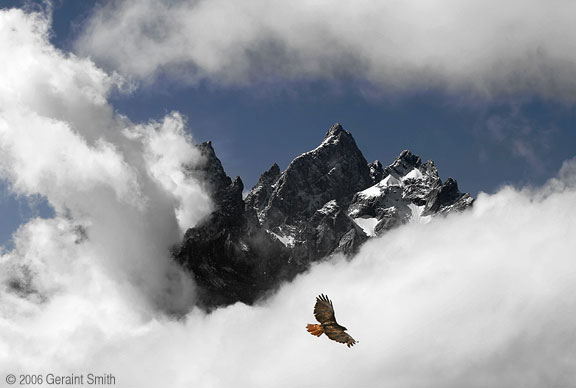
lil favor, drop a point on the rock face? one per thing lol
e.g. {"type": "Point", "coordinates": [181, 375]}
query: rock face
{"type": "Point", "coordinates": [329, 200]}
{"type": "Point", "coordinates": [409, 191]}
{"type": "Point", "coordinates": [231, 257]}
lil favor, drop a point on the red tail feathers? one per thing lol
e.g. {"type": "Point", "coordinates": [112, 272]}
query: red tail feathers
{"type": "Point", "coordinates": [316, 330]}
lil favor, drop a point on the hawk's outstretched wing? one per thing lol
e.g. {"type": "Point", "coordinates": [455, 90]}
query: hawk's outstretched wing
{"type": "Point", "coordinates": [335, 332]}
{"type": "Point", "coordinates": [324, 313]}
{"type": "Point", "coordinates": [323, 310]}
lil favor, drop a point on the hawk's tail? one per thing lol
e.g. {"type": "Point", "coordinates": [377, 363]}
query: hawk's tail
{"type": "Point", "coordinates": [316, 330]}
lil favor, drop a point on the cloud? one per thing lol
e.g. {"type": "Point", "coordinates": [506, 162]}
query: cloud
{"type": "Point", "coordinates": [519, 47]}
{"type": "Point", "coordinates": [480, 299]}
{"type": "Point", "coordinates": [120, 204]}
{"type": "Point", "coordinates": [526, 138]}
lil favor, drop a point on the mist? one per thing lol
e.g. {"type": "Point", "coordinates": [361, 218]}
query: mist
{"type": "Point", "coordinates": [119, 190]}
{"type": "Point", "coordinates": [479, 299]}
{"type": "Point", "coordinates": [518, 47]}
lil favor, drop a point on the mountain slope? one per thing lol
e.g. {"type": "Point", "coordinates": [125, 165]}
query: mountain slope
{"type": "Point", "coordinates": [328, 200]}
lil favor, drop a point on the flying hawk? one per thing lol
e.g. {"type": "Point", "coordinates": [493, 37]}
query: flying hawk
{"type": "Point", "coordinates": [324, 313]}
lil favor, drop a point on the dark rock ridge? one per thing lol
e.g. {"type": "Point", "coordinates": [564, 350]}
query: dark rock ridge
{"type": "Point", "coordinates": [329, 200]}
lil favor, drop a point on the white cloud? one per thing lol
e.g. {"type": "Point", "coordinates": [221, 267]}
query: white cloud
{"type": "Point", "coordinates": [482, 299]}
{"type": "Point", "coordinates": [488, 49]}
{"type": "Point", "coordinates": [105, 176]}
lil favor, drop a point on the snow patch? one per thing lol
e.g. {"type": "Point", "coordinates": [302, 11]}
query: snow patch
{"type": "Point", "coordinates": [378, 188]}
{"type": "Point", "coordinates": [390, 180]}
{"type": "Point", "coordinates": [328, 207]}
{"type": "Point", "coordinates": [414, 174]}
{"type": "Point", "coordinates": [288, 241]}
{"type": "Point", "coordinates": [373, 191]}
{"type": "Point", "coordinates": [417, 217]}
{"type": "Point", "coordinates": [367, 225]}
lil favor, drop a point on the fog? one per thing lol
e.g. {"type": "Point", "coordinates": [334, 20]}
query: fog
{"type": "Point", "coordinates": [118, 189]}
{"type": "Point", "coordinates": [479, 299]}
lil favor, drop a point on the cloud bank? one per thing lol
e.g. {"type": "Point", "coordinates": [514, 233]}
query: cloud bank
{"type": "Point", "coordinates": [489, 50]}
{"type": "Point", "coordinates": [480, 299]}
{"type": "Point", "coordinates": [118, 189]}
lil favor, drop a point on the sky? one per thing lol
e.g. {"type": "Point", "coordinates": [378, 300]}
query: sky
{"type": "Point", "coordinates": [101, 105]}
{"type": "Point", "coordinates": [488, 109]}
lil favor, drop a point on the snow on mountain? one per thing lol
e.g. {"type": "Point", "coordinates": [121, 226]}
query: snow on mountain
{"type": "Point", "coordinates": [287, 240]}
{"type": "Point", "coordinates": [368, 225]}
{"type": "Point", "coordinates": [417, 215]}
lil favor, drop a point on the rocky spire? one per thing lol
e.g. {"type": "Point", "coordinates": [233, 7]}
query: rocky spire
{"type": "Point", "coordinates": [334, 170]}
{"type": "Point", "coordinates": [376, 171]}
{"type": "Point", "coordinates": [404, 163]}
{"type": "Point", "coordinates": [260, 194]}
{"type": "Point", "coordinates": [226, 193]}
{"type": "Point", "coordinates": [447, 197]}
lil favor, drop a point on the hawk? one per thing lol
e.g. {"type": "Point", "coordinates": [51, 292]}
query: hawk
{"type": "Point", "coordinates": [324, 313]}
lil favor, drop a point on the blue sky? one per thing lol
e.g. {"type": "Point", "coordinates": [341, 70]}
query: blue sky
{"type": "Point", "coordinates": [484, 141]}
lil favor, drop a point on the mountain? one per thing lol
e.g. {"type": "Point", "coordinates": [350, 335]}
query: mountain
{"type": "Point", "coordinates": [329, 200]}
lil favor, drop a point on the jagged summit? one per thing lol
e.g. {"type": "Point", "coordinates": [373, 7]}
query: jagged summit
{"type": "Point", "coordinates": [406, 162]}
{"type": "Point", "coordinates": [227, 193]}
{"type": "Point", "coordinates": [376, 171]}
{"type": "Point", "coordinates": [328, 200]}
{"type": "Point", "coordinates": [211, 167]}
{"type": "Point", "coordinates": [408, 191]}
{"type": "Point", "coordinates": [260, 194]}
{"type": "Point", "coordinates": [335, 130]}
{"type": "Point", "coordinates": [447, 197]}
{"type": "Point", "coordinates": [336, 135]}
{"type": "Point", "coordinates": [334, 170]}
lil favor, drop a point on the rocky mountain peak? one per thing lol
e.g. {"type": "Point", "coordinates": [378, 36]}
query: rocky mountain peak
{"type": "Point", "coordinates": [405, 162]}
{"type": "Point", "coordinates": [337, 135]}
{"type": "Point", "coordinates": [431, 171]}
{"type": "Point", "coordinates": [211, 173]}
{"type": "Point", "coordinates": [447, 197]}
{"type": "Point", "coordinates": [271, 174]}
{"type": "Point", "coordinates": [336, 130]}
{"type": "Point", "coordinates": [328, 200]}
{"type": "Point", "coordinates": [210, 167]}
{"type": "Point", "coordinates": [336, 169]}
{"type": "Point", "coordinates": [259, 196]}
{"type": "Point", "coordinates": [376, 171]}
